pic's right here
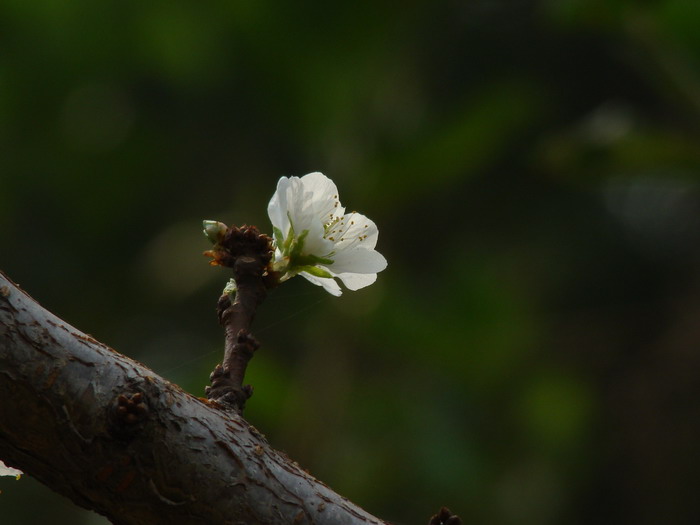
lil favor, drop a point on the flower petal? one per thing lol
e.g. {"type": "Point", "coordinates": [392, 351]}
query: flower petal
{"type": "Point", "coordinates": [315, 243]}
{"type": "Point", "coordinates": [307, 202]}
{"type": "Point", "coordinates": [358, 260]}
{"type": "Point", "coordinates": [323, 201]}
{"type": "Point", "coordinates": [277, 208]}
{"type": "Point", "coordinates": [297, 202]}
{"type": "Point", "coordinates": [328, 284]}
{"type": "Point", "coordinates": [355, 281]}
{"type": "Point", "coordinates": [9, 471]}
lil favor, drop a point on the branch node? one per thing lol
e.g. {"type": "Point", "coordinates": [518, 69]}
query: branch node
{"type": "Point", "coordinates": [445, 517]}
{"type": "Point", "coordinates": [227, 382]}
{"type": "Point", "coordinates": [223, 304]}
{"type": "Point", "coordinates": [128, 410]}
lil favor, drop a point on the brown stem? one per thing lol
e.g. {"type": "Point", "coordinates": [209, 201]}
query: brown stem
{"type": "Point", "coordinates": [247, 252]}
{"type": "Point", "coordinates": [238, 317]}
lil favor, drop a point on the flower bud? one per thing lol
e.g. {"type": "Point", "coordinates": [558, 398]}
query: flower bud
{"type": "Point", "coordinates": [230, 289]}
{"type": "Point", "coordinates": [214, 230]}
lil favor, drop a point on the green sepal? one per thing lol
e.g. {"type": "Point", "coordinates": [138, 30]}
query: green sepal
{"type": "Point", "coordinates": [297, 247]}
{"type": "Point", "coordinates": [289, 240]}
{"type": "Point", "coordinates": [279, 237]}
{"type": "Point", "coordinates": [315, 271]}
{"type": "Point", "coordinates": [310, 260]}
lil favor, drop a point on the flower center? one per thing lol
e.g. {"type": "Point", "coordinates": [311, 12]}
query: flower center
{"type": "Point", "coordinates": [337, 229]}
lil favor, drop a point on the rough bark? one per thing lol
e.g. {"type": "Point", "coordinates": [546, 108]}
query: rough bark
{"type": "Point", "coordinates": [114, 437]}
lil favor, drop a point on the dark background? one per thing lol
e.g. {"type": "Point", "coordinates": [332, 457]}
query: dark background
{"type": "Point", "coordinates": [532, 353]}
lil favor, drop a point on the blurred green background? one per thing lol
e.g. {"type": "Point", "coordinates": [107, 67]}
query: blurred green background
{"type": "Point", "coordinates": [532, 353]}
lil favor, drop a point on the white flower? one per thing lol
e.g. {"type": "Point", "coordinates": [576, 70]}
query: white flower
{"type": "Point", "coordinates": [9, 471]}
{"type": "Point", "coordinates": [317, 239]}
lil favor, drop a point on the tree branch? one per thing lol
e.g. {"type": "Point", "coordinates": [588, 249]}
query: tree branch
{"type": "Point", "coordinates": [114, 437]}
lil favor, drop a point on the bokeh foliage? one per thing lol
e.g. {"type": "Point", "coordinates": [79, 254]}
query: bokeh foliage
{"type": "Point", "coordinates": [530, 356]}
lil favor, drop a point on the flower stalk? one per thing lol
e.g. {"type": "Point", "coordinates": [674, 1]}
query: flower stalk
{"type": "Point", "coordinates": [248, 253]}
